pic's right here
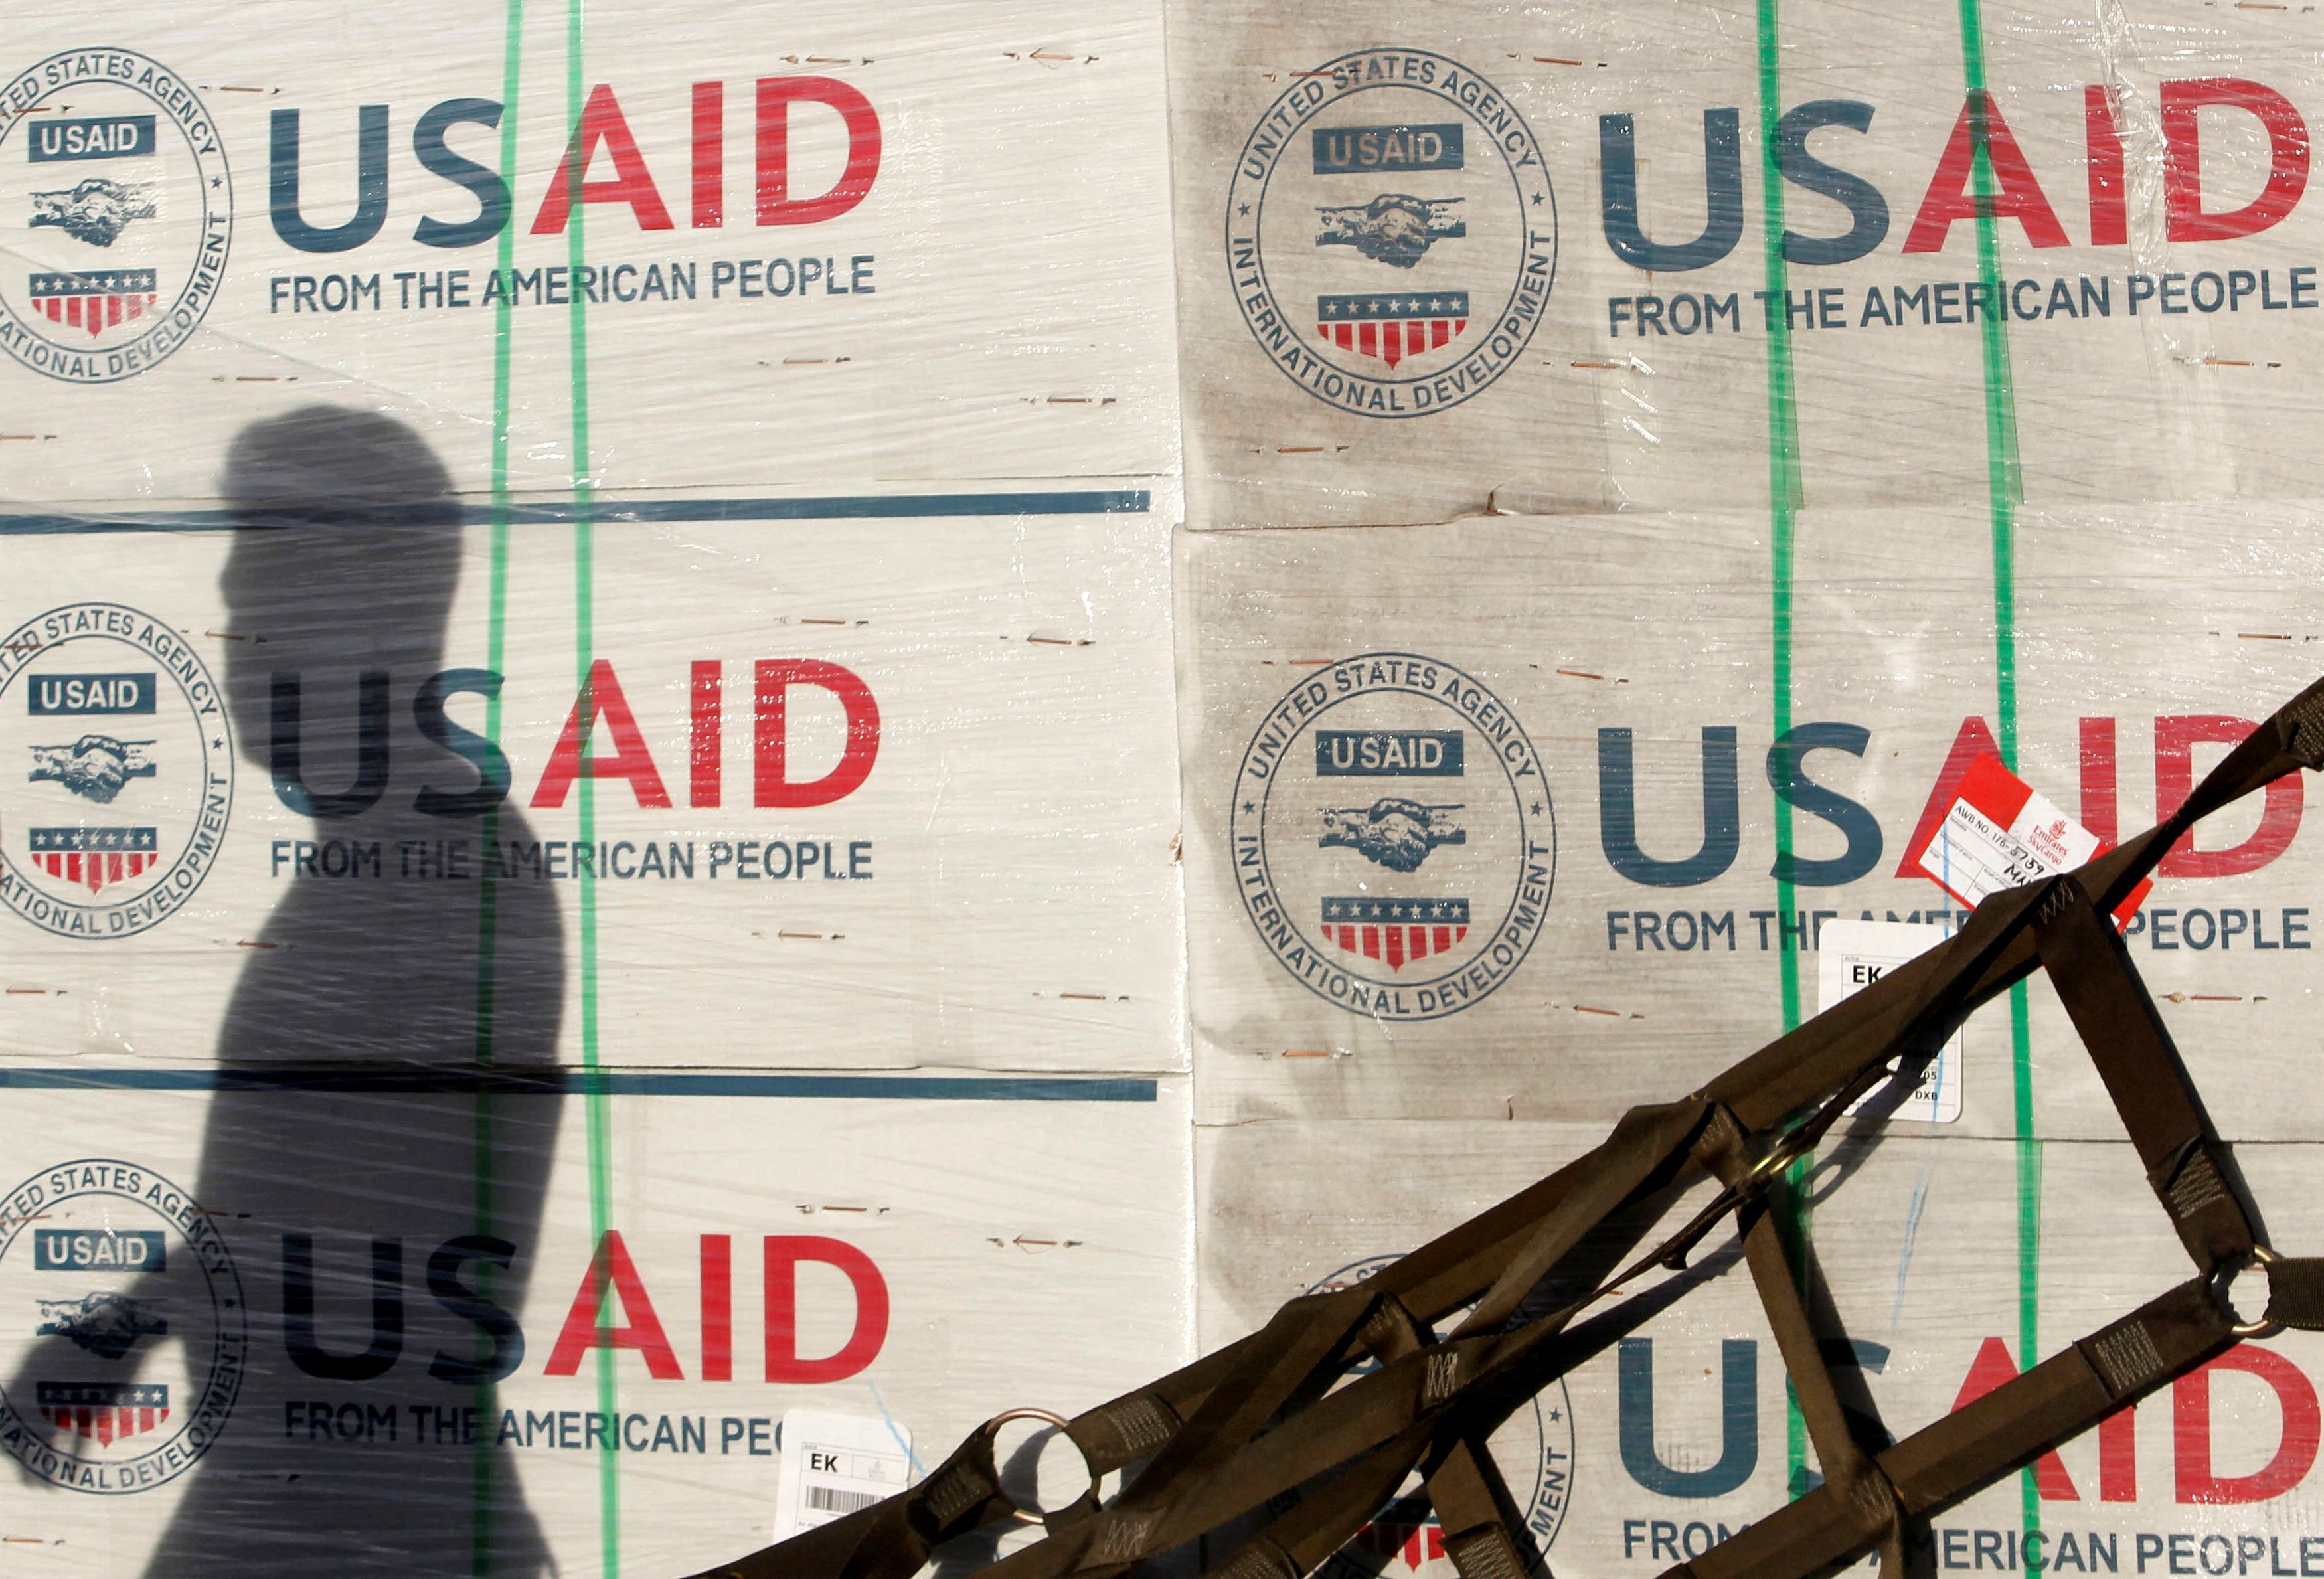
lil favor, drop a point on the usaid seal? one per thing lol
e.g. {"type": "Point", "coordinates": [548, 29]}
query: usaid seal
{"type": "Point", "coordinates": [122, 1334]}
{"type": "Point", "coordinates": [1533, 1449]}
{"type": "Point", "coordinates": [1393, 838]}
{"type": "Point", "coordinates": [115, 212]}
{"type": "Point", "coordinates": [116, 771]}
{"type": "Point", "coordinates": [1391, 232]}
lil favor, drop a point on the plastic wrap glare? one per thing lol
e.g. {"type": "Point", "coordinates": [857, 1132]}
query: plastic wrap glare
{"type": "Point", "coordinates": [1566, 258]}
{"type": "Point", "coordinates": [619, 700]}
{"type": "Point", "coordinates": [590, 796]}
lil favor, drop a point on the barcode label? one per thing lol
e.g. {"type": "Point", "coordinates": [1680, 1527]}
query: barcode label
{"type": "Point", "coordinates": [1852, 956]}
{"type": "Point", "coordinates": [833, 1466]}
{"type": "Point", "coordinates": [833, 1500]}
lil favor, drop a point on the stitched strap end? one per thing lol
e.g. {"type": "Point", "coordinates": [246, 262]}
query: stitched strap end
{"type": "Point", "coordinates": [1486, 1552]}
{"type": "Point", "coordinates": [1127, 1428]}
{"type": "Point", "coordinates": [1257, 1558]}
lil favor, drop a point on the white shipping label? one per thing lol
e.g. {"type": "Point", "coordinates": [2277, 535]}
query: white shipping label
{"type": "Point", "coordinates": [1853, 956]}
{"type": "Point", "coordinates": [1975, 854]}
{"type": "Point", "coordinates": [1998, 834]}
{"type": "Point", "coordinates": [834, 1464]}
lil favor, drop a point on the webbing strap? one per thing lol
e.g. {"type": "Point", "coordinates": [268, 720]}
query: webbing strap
{"type": "Point", "coordinates": [2116, 1021]}
{"type": "Point", "coordinates": [1969, 1449]}
{"type": "Point", "coordinates": [1857, 1485]}
{"type": "Point", "coordinates": [1643, 1151]}
{"type": "Point", "coordinates": [1276, 1419]}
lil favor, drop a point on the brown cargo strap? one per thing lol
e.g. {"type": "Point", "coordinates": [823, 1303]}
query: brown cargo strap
{"type": "Point", "coordinates": [1321, 1415]}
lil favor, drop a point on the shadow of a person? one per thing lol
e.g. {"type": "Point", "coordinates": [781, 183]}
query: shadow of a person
{"type": "Point", "coordinates": [364, 1142]}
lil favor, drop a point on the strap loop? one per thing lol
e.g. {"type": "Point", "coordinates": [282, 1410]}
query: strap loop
{"type": "Point", "coordinates": [1073, 1512]}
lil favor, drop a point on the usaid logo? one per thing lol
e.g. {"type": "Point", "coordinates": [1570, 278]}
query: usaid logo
{"type": "Point", "coordinates": [1393, 837]}
{"type": "Point", "coordinates": [1533, 1449]}
{"type": "Point", "coordinates": [116, 771]}
{"type": "Point", "coordinates": [1391, 235]}
{"type": "Point", "coordinates": [120, 1355]}
{"type": "Point", "coordinates": [114, 217]}
{"type": "Point", "coordinates": [64, 1249]}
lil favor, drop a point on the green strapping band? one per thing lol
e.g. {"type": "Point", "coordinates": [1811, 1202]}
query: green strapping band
{"type": "Point", "coordinates": [599, 1108]}
{"type": "Point", "coordinates": [483, 1492]}
{"type": "Point", "coordinates": [2003, 488]}
{"type": "Point", "coordinates": [1783, 504]}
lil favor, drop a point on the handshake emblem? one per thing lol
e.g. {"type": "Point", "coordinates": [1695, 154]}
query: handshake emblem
{"type": "Point", "coordinates": [95, 767]}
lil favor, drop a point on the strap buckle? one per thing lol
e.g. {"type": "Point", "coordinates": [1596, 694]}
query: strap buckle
{"type": "Point", "coordinates": [2265, 1327]}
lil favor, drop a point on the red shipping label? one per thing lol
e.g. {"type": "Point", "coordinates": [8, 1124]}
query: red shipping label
{"type": "Point", "coordinates": [1998, 834]}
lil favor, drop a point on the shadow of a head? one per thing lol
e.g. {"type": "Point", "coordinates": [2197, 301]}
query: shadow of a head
{"type": "Point", "coordinates": [347, 556]}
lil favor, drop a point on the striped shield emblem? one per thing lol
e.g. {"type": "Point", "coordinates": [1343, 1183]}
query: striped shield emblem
{"type": "Point", "coordinates": [1392, 324]}
{"type": "Point", "coordinates": [1395, 931]}
{"type": "Point", "coordinates": [96, 301]}
{"type": "Point", "coordinates": [104, 1411]}
{"type": "Point", "coordinates": [97, 857]}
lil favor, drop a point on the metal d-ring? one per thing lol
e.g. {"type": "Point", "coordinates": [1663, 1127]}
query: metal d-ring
{"type": "Point", "coordinates": [992, 1429]}
{"type": "Point", "coordinates": [1781, 1156]}
{"type": "Point", "coordinates": [2261, 1257]}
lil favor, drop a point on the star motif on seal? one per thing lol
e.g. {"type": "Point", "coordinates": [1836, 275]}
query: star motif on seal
{"type": "Point", "coordinates": [1366, 185]}
{"type": "Point", "coordinates": [1389, 784]}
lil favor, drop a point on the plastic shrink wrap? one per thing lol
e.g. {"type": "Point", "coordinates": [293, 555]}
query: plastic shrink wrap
{"type": "Point", "coordinates": [596, 835]}
{"type": "Point", "coordinates": [589, 796]}
{"type": "Point", "coordinates": [1691, 438]}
